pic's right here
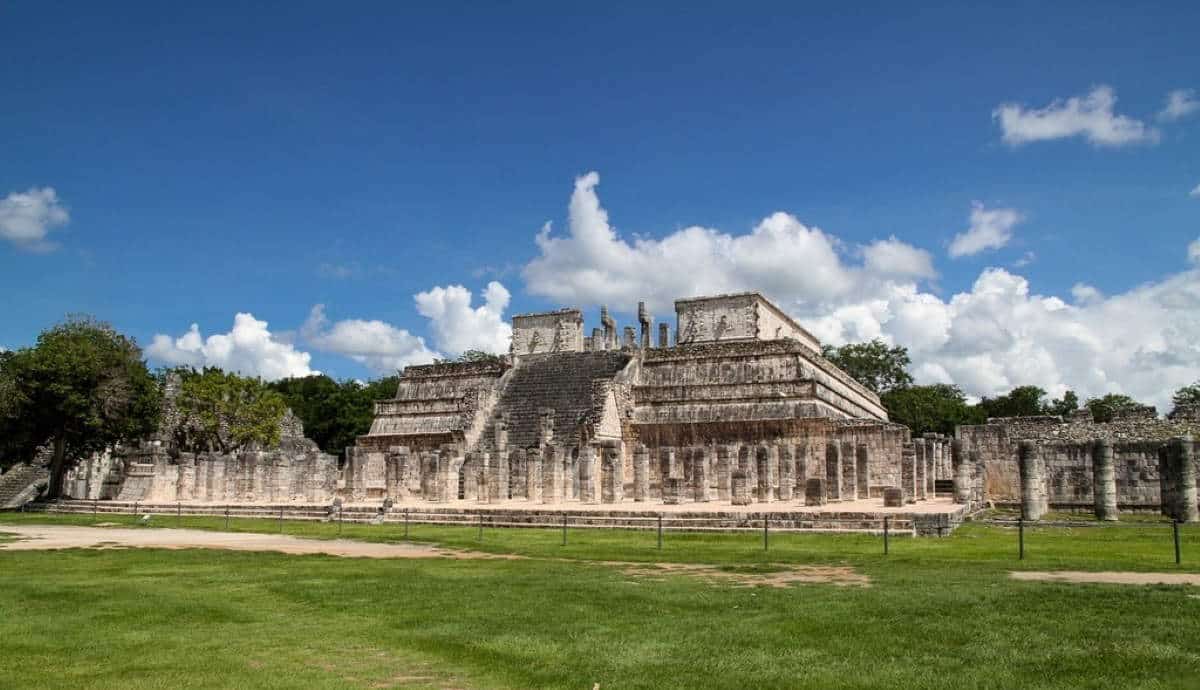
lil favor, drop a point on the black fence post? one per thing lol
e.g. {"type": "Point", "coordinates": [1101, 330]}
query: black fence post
{"type": "Point", "coordinates": [766, 529]}
{"type": "Point", "coordinates": [1021, 538]}
{"type": "Point", "coordinates": [564, 529]}
{"type": "Point", "coordinates": [226, 518]}
{"type": "Point", "coordinates": [135, 508]}
{"type": "Point", "coordinates": [406, 524]}
{"type": "Point", "coordinates": [95, 509]}
{"type": "Point", "coordinates": [178, 514]}
{"type": "Point", "coordinates": [1175, 529]}
{"type": "Point", "coordinates": [481, 527]}
{"type": "Point", "coordinates": [660, 531]}
{"type": "Point", "coordinates": [886, 519]}
{"type": "Point", "coordinates": [281, 519]}
{"type": "Point", "coordinates": [339, 519]}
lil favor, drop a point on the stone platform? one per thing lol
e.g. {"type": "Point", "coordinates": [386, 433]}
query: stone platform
{"type": "Point", "coordinates": [936, 517]}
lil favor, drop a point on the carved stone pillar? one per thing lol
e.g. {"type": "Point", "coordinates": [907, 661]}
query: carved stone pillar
{"type": "Point", "coordinates": [644, 322]}
{"type": "Point", "coordinates": [1033, 485]}
{"type": "Point", "coordinates": [552, 475]}
{"type": "Point", "coordinates": [724, 473]}
{"type": "Point", "coordinates": [641, 473]}
{"type": "Point", "coordinates": [862, 470]}
{"type": "Point", "coordinates": [533, 475]}
{"type": "Point", "coordinates": [814, 492]}
{"type": "Point", "coordinates": [664, 335]}
{"type": "Point", "coordinates": [849, 472]}
{"type": "Point", "coordinates": [701, 479]}
{"type": "Point", "coordinates": [833, 471]}
{"type": "Point", "coordinates": [612, 476]}
{"type": "Point", "coordinates": [588, 474]}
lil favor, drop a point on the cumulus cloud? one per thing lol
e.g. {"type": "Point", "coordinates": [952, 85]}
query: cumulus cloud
{"type": "Point", "coordinates": [989, 229]}
{"type": "Point", "coordinates": [379, 346]}
{"type": "Point", "coordinates": [895, 258]}
{"type": "Point", "coordinates": [988, 339]}
{"type": "Point", "coordinates": [592, 264]}
{"type": "Point", "coordinates": [458, 327]}
{"type": "Point", "coordinates": [27, 217]}
{"type": "Point", "coordinates": [1089, 116]}
{"type": "Point", "coordinates": [1180, 104]}
{"type": "Point", "coordinates": [248, 348]}
{"type": "Point", "coordinates": [1195, 193]}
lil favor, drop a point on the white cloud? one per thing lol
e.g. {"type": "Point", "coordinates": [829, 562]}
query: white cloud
{"type": "Point", "coordinates": [1180, 104]}
{"type": "Point", "coordinates": [781, 256]}
{"type": "Point", "coordinates": [1026, 259]}
{"type": "Point", "coordinates": [248, 348]}
{"type": "Point", "coordinates": [996, 335]}
{"type": "Point", "coordinates": [1089, 116]}
{"type": "Point", "coordinates": [458, 327]}
{"type": "Point", "coordinates": [27, 217]}
{"type": "Point", "coordinates": [379, 346]}
{"type": "Point", "coordinates": [895, 258]}
{"type": "Point", "coordinates": [990, 229]}
{"type": "Point", "coordinates": [1195, 193]}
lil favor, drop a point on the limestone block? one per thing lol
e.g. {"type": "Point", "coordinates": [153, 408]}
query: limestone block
{"type": "Point", "coordinates": [1033, 489]}
{"type": "Point", "coordinates": [1104, 480]}
{"type": "Point", "coordinates": [673, 490]}
{"type": "Point", "coordinates": [641, 474]}
{"type": "Point", "coordinates": [740, 488]}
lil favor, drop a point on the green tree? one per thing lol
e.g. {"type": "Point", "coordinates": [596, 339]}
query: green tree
{"type": "Point", "coordinates": [1022, 401]}
{"type": "Point", "coordinates": [334, 413]}
{"type": "Point", "coordinates": [82, 388]}
{"type": "Point", "coordinates": [1064, 406]}
{"type": "Point", "coordinates": [1187, 395]}
{"type": "Point", "coordinates": [875, 365]}
{"type": "Point", "coordinates": [936, 408]}
{"type": "Point", "coordinates": [1105, 408]}
{"type": "Point", "coordinates": [223, 411]}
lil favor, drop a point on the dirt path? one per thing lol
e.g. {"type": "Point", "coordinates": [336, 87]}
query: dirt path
{"type": "Point", "coordinates": [1111, 578]}
{"type": "Point", "coordinates": [43, 537]}
{"type": "Point", "coordinates": [770, 575]}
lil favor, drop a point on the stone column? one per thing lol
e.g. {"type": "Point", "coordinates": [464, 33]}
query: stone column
{"type": "Point", "coordinates": [701, 480]}
{"type": "Point", "coordinates": [664, 335]}
{"type": "Point", "coordinates": [1104, 480]}
{"type": "Point", "coordinates": [833, 471]}
{"type": "Point", "coordinates": [893, 497]}
{"type": "Point", "coordinates": [814, 492]}
{"type": "Point", "coordinates": [187, 477]}
{"type": "Point", "coordinates": [962, 483]}
{"type": "Point", "coordinates": [765, 491]}
{"type": "Point", "coordinates": [397, 460]}
{"type": "Point", "coordinates": [630, 338]}
{"type": "Point", "coordinates": [552, 474]}
{"type": "Point", "coordinates": [849, 472]}
{"type": "Point", "coordinates": [862, 470]}
{"type": "Point", "coordinates": [587, 474]}
{"type": "Point", "coordinates": [930, 467]}
{"type": "Point", "coordinates": [533, 475]}
{"type": "Point", "coordinates": [498, 478]}
{"type": "Point", "coordinates": [920, 466]}
{"type": "Point", "coordinates": [724, 473]}
{"type": "Point", "coordinates": [644, 322]}
{"type": "Point", "coordinates": [740, 488]}
{"type": "Point", "coordinates": [1179, 501]}
{"type": "Point", "coordinates": [641, 468]}
{"type": "Point", "coordinates": [613, 476]}
{"type": "Point", "coordinates": [787, 466]}
{"type": "Point", "coordinates": [203, 463]}
{"type": "Point", "coordinates": [597, 340]}
{"type": "Point", "coordinates": [1033, 489]}
{"type": "Point", "coordinates": [518, 473]}
{"type": "Point", "coordinates": [610, 329]}
{"type": "Point", "coordinates": [801, 468]}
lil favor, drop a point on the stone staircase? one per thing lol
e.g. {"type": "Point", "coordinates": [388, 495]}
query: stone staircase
{"type": "Point", "coordinates": [22, 483]}
{"type": "Point", "coordinates": [561, 381]}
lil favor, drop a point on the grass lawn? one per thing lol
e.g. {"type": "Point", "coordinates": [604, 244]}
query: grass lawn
{"type": "Point", "coordinates": [938, 613]}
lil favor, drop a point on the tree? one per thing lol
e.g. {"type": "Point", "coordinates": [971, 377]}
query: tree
{"type": "Point", "coordinates": [1022, 401]}
{"type": "Point", "coordinates": [82, 388]}
{"type": "Point", "coordinates": [874, 364]}
{"type": "Point", "coordinates": [1064, 406]}
{"type": "Point", "coordinates": [223, 411]}
{"type": "Point", "coordinates": [1106, 407]}
{"type": "Point", "coordinates": [936, 408]}
{"type": "Point", "coordinates": [334, 413]}
{"type": "Point", "coordinates": [1187, 395]}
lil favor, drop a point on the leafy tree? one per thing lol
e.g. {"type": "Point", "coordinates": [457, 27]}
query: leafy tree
{"type": "Point", "coordinates": [334, 413]}
{"type": "Point", "coordinates": [874, 364]}
{"type": "Point", "coordinates": [1105, 408]}
{"type": "Point", "coordinates": [1022, 401]}
{"type": "Point", "coordinates": [223, 411]}
{"type": "Point", "coordinates": [83, 387]}
{"type": "Point", "coordinates": [1064, 406]}
{"type": "Point", "coordinates": [1187, 395]}
{"type": "Point", "coordinates": [936, 408]}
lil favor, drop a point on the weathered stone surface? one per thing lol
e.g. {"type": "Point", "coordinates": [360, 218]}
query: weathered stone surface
{"type": "Point", "coordinates": [893, 497]}
{"type": "Point", "coordinates": [814, 492]}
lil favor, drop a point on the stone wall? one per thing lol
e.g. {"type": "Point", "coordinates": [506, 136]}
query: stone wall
{"type": "Point", "coordinates": [554, 331]}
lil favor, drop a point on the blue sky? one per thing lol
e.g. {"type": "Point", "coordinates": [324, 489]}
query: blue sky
{"type": "Point", "coordinates": [216, 160]}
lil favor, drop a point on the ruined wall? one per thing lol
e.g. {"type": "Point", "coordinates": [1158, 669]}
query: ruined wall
{"type": "Point", "coordinates": [743, 316]}
{"type": "Point", "coordinates": [555, 331]}
{"type": "Point", "coordinates": [1066, 447]}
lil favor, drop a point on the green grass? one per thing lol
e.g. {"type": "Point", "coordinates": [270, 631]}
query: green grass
{"type": "Point", "coordinates": [939, 613]}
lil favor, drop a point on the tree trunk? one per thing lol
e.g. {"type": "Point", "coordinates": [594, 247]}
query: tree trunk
{"type": "Point", "coordinates": [58, 467]}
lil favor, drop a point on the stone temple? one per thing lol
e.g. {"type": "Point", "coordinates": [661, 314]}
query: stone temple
{"type": "Point", "coordinates": [734, 412]}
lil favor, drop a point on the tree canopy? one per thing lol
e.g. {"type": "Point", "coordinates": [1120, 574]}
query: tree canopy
{"type": "Point", "coordinates": [936, 408]}
{"type": "Point", "coordinates": [875, 365]}
{"type": "Point", "coordinates": [222, 411]}
{"type": "Point", "coordinates": [1106, 407]}
{"type": "Point", "coordinates": [83, 388]}
{"type": "Point", "coordinates": [1022, 401]}
{"type": "Point", "coordinates": [1187, 395]}
{"type": "Point", "coordinates": [334, 413]}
